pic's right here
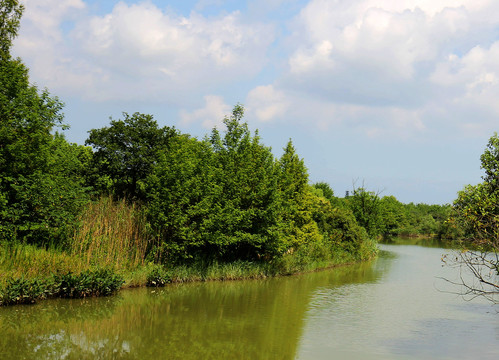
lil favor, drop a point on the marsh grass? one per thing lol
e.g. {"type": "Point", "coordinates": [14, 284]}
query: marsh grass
{"type": "Point", "coordinates": [28, 261]}
{"type": "Point", "coordinates": [298, 262]}
{"type": "Point", "coordinates": [111, 234]}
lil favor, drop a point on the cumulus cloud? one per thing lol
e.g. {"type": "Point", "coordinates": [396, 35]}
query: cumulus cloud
{"type": "Point", "coordinates": [209, 116]}
{"type": "Point", "coordinates": [43, 43]}
{"type": "Point", "coordinates": [382, 67]}
{"type": "Point", "coordinates": [140, 51]}
{"type": "Point", "coordinates": [358, 48]}
{"type": "Point", "coordinates": [267, 103]}
{"type": "Point", "coordinates": [413, 63]}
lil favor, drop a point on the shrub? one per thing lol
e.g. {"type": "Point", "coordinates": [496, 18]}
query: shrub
{"type": "Point", "coordinates": [21, 291]}
{"type": "Point", "coordinates": [159, 277]}
{"type": "Point", "coordinates": [101, 282]}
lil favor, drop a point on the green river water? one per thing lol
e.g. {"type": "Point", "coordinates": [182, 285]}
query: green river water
{"type": "Point", "coordinates": [394, 307]}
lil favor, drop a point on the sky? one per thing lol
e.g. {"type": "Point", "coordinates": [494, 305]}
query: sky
{"type": "Point", "coordinates": [397, 96]}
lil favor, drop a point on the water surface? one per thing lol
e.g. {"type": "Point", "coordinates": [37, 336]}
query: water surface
{"type": "Point", "coordinates": [394, 307]}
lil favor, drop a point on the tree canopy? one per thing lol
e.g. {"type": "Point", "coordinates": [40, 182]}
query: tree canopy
{"type": "Point", "coordinates": [40, 173]}
{"type": "Point", "coordinates": [125, 154]}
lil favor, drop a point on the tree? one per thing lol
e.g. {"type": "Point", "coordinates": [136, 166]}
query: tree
{"type": "Point", "coordinates": [327, 191]}
{"type": "Point", "coordinates": [246, 208]}
{"type": "Point", "coordinates": [365, 206]}
{"type": "Point", "coordinates": [393, 217]}
{"type": "Point", "coordinates": [477, 212]}
{"type": "Point", "coordinates": [181, 200]}
{"type": "Point", "coordinates": [297, 227]}
{"type": "Point", "coordinates": [40, 188]}
{"type": "Point", "coordinates": [215, 199]}
{"type": "Point", "coordinates": [125, 154]}
{"type": "Point", "coordinates": [10, 15]}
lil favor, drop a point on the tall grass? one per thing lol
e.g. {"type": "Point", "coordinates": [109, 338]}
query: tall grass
{"type": "Point", "coordinates": [22, 260]}
{"type": "Point", "coordinates": [111, 234]}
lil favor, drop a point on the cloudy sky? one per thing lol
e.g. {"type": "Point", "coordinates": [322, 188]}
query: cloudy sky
{"type": "Point", "coordinates": [398, 95]}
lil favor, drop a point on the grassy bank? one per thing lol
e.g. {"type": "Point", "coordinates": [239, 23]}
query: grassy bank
{"type": "Point", "coordinates": [29, 274]}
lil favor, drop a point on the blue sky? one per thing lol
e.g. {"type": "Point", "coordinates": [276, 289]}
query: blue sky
{"type": "Point", "coordinates": [398, 95]}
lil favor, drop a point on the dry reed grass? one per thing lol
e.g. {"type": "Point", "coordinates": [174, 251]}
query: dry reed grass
{"type": "Point", "coordinates": [111, 234]}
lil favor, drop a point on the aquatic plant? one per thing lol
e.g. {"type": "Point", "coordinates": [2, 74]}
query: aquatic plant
{"type": "Point", "coordinates": [100, 282]}
{"type": "Point", "coordinates": [21, 291]}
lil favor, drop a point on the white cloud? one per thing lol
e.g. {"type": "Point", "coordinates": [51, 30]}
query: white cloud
{"type": "Point", "coordinates": [267, 103]}
{"type": "Point", "coordinates": [381, 67]}
{"type": "Point", "coordinates": [210, 116]}
{"type": "Point", "coordinates": [387, 42]}
{"type": "Point", "coordinates": [395, 68]}
{"type": "Point", "coordinates": [139, 51]}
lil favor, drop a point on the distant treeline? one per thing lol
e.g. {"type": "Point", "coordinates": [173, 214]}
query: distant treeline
{"type": "Point", "coordinates": [386, 216]}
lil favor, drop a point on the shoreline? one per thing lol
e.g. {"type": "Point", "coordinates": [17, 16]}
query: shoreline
{"type": "Point", "coordinates": [100, 282]}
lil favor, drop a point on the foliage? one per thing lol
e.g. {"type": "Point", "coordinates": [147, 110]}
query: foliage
{"type": "Point", "coordinates": [21, 291]}
{"type": "Point", "coordinates": [244, 210]}
{"type": "Point", "coordinates": [365, 206]}
{"type": "Point", "coordinates": [214, 198]}
{"type": "Point", "coordinates": [296, 226]}
{"type": "Point", "coordinates": [125, 154]}
{"type": "Point", "coordinates": [158, 277]}
{"type": "Point", "coordinates": [325, 191]}
{"type": "Point", "coordinates": [40, 173]}
{"type": "Point", "coordinates": [477, 207]}
{"type": "Point", "coordinates": [477, 212]}
{"type": "Point", "coordinates": [100, 282]}
{"type": "Point", "coordinates": [180, 198]}
{"type": "Point", "coordinates": [10, 15]}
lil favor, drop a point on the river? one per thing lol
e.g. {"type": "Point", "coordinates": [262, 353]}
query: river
{"type": "Point", "coordinates": [394, 307]}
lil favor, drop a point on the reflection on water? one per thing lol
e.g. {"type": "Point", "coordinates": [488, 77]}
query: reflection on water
{"type": "Point", "coordinates": [411, 313]}
{"type": "Point", "coordinates": [392, 307]}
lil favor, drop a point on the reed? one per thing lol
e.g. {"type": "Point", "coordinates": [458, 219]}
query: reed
{"type": "Point", "coordinates": [111, 234]}
{"type": "Point", "coordinates": [29, 261]}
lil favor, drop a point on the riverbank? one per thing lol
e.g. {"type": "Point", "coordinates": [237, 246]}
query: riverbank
{"type": "Point", "coordinates": [29, 274]}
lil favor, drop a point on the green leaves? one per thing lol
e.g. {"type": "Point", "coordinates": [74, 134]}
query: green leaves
{"type": "Point", "coordinates": [125, 154]}
{"type": "Point", "coordinates": [100, 282]}
{"type": "Point", "coordinates": [40, 173]}
{"type": "Point", "coordinates": [10, 15]}
{"type": "Point", "coordinates": [227, 198]}
{"type": "Point", "coordinates": [477, 207]}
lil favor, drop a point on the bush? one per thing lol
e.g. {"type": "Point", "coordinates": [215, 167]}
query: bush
{"type": "Point", "coordinates": [159, 277]}
{"type": "Point", "coordinates": [101, 282]}
{"type": "Point", "coordinates": [21, 291]}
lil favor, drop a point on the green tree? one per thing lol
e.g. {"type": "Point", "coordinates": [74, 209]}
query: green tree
{"type": "Point", "coordinates": [40, 190]}
{"type": "Point", "coordinates": [477, 212]}
{"type": "Point", "coordinates": [125, 154]}
{"type": "Point", "coordinates": [181, 198]}
{"type": "Point", "coordinates": [327, 191]}
{"type": "Point", "coordinates": [215, 199]}
{"type": "Point", "coordinates": [365, 206]}
{"type": "Point", "coordinates": [297, 226]}
{"type": "Point", "coordinates": [246, 202]}
{"type": "Point", "coordinates": [393, 217]}
{"type": "Point", "coordinates": [477, 206]}
{"type": "Point", "coordinates": [10, 15]}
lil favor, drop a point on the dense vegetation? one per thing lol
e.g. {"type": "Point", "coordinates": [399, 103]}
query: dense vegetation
{"type": "Point", "coordinates": [386, 216]}
{"type": "Point", "coordinates": [477, 213]}
{"type": "Point", "coordinates": [155, 205]}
